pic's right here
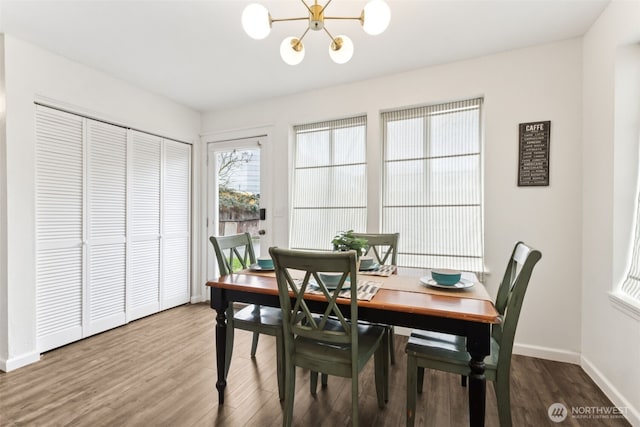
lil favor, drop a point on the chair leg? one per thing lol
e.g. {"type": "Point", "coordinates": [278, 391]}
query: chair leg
{"type": "Point", "coordinates": [420, 380]}
{"type": "Point", "coordinates": [385, 365]}
{"type": "Point", "coordinates": [503, 397]}
{"type": "Point", "coordinates": [354, 397]}
{"type": "Point", "coordinates": [392, 345]}
{"type": "Point", "coordinates": [229, 341]}
{"type": "Point", "coordinates": [313, 383]}
{"type": "Point", "coordinates": [412, 385]}
{"type": "Point", "coordinates": [280, 364]}
{"type": "Point", "coordinates": [325, 379]}
{"type": "Point", "coordinates": [463, 381]}
{"type": "Point", "coordinates": [379, 370]}
{"type": "Point", "coordinates": [254, 344]}
{"type": "Point", "coordinates": [290, 391]}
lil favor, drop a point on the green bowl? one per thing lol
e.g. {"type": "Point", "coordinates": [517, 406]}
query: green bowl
{"type": "Point", "coordinates": [446, 277]}
{"type": "Point", "coordinates": [330, 280]}
{"type": "Point", "coordinates": [265, 262]}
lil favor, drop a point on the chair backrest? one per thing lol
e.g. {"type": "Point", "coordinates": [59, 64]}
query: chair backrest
{"type": "Point", "coordinates": [510, 297]}
{"type": "Point", "coordinates": [383, 247]}
{"type": "Point", "coordinates": [235, 247]}
{"type": "Point", "coordinates": [297, 271]}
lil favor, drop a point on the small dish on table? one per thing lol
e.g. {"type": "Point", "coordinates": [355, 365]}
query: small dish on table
{"type": "Point", "coordinates": [257, 267]}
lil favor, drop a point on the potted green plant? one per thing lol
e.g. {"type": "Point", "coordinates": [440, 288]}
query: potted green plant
{"type": "Point", "coordinates": [345, 241]}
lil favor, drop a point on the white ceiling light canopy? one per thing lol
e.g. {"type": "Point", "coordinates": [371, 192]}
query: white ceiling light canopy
{"type": "Point", "coordinates": [374, 18]}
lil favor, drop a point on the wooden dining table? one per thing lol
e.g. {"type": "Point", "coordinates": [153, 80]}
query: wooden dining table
{"type": "Point", "coordinates": [402, 300]}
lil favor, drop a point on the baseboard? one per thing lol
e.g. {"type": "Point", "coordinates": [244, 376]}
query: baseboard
{"type": "Point", "coordinates": [632, 414]}
{"type": "Point", "coordinates": [197, 298]}
{"type": "Point", "coordinates": [547, 353]}
{"type": "Point", "coordinates": [400, 330]}
{"type": "Point", "coordinates": [18, 362]}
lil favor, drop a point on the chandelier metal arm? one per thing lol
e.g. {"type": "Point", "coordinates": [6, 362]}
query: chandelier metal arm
{"type": "Point", "coordinates": [307, 6]}
{"type": "Point", "coordinates": [355, 18]}
{"type": "Point", "coordinates": [302, 36]}
{"type": "Point", "coordinates": [302, 18]}
{"type": "Point", "coordinates": [325, 6]}
{"type": "Point", "coordinates": [333, 39]}
{"type": "Point", "coordinates": [306, 18]}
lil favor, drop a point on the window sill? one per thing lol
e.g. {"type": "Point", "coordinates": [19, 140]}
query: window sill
{"type": "Point", "coordinates": [625, 304]}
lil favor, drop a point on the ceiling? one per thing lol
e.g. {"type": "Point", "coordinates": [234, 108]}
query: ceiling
{"type": "Point", "coordinates": [196, 53]}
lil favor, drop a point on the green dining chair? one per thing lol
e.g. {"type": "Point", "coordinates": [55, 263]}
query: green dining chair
{"type": "Point", "coordinates": [331, 342]}
{"type": "Point", "coordinates": [384, 249]}
{"type": "Point", "coordinates": [448, 353]}
{"type": "Point", "coordinates": [238, 250]}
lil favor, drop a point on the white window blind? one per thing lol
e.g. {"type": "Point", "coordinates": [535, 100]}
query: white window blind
{"type": "Point", "coordinates": [330, 185]}
{"type": "Point", "coordinates": [631, 285]}
{"type": "Point", "coordinates": [432, 184]}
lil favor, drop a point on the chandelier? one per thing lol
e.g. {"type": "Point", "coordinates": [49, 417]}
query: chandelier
{"type": "Point", "coordinates": [374, 18]}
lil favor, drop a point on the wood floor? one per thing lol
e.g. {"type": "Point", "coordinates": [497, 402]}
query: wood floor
{"type": "Point", "coordinates": [160, 371]}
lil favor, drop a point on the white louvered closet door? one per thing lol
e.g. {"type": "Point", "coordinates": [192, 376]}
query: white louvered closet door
{"type": "Point", "coordinates": [106, 223]}
{"type": "Point", "coordinates": [143, 279]}
{"type": "Point", "coordinates": [59, 227]}
{"type": "Point", "coordinates": [175, 288]}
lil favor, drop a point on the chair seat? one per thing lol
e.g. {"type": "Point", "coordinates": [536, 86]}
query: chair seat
{"type": "Point", "coordinates": [448, 349]}
{"type": "Point", "coordinates": [255, 316]}
{"type": "Point", "coordinates": [369, 338]}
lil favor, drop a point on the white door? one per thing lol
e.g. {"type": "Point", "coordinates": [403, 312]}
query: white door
{"type": "Point", "coordinates": [80, 218]}
{"type": "Point", "coordinates": [176, 224]}
{"type": "Point", "coordinates": [238, 193]}
{"type": "Point", "coordinates": [143, 280]}
{"type": "Point", "coordinates": [160, 225]}
{"type": "Point", "coordinates": [59, 227]}
{"type": "Point", "coordinates": [106, 181]}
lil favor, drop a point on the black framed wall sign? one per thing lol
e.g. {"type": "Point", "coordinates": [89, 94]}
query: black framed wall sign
{"type": "Point", "coordinates": [533, 157]}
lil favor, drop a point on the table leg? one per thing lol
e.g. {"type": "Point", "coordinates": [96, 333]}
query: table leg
{"type": "Point", "coordinates": [220, 304]}
{"type": "Point", "coordinates": [478, 346]}
{"type": "Point", "coordinates": [477, 391]}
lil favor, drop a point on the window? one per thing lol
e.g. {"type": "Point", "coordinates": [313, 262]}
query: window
{"type": "Point", "coordinates": [432, 185]}
{"type": "Point", "coordinates": [329, 183]}
{"type": "Point", "coordinates": [631, 285]}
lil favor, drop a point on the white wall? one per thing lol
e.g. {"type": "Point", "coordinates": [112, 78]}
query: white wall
{"type": "Point", "coordinates": [3, 216]}
{"type": "Point", "coordinates": [538, 83]}
{"type": "Point", "coordinates": [611, 337]}
{"type": "Point", "coordinates": [32, 73]}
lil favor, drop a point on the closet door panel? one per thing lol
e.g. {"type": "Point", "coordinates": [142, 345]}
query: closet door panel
{"type": "Point", "coordinates": [59, 227]}
{"type": "Point", "coordinates": [144, 289]}
{"type": "Point", "coordinates": [106, 221]}
{"type": "Point", "coordinates": [176, 222]}
{"type": "Point", "coordinates": [106, 291]}
{"type": "Point", "coordinates": [175, 283]}
{"type": "Point", "coordinates": [59, 296]}
{"type": "Point", "coordinates": [143, 279]}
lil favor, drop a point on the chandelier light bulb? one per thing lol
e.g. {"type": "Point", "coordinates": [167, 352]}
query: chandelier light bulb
{"type": "Point", "coordinates": [377, 16]}
{"type": "Point", "coordinates": [341, 50]}
{"type": "Point", "coordinates": [292, 51]}
{"type": "Point", "coordinates": [256, 21]}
